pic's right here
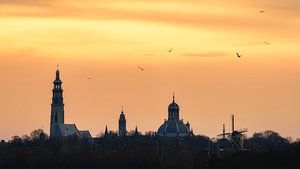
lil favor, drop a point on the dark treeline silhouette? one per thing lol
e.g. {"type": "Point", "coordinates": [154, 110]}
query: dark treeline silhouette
{"type": "Point", "coordinates": [37, 151]}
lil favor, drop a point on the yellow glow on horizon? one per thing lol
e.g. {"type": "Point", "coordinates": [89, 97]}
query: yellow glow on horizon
{"type": "Point", "coordinates": [133, 39]}
{"type": "Point", "coordinates": [109, 39]}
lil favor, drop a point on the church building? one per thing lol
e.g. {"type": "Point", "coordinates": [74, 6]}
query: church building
{"type": "Point", "coordinates": [122, 124]}
{"type": "Point", "coordinates": [58, 128]}
{"type": "Point", "coordinates": [173, 127]}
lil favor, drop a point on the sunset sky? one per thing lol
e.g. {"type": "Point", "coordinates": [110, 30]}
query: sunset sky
{"type": "Point", "coordinates": [107, 39]}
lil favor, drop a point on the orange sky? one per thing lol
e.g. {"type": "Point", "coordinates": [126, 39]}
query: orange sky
{"type": "Point", "coordinates": [107, 40]}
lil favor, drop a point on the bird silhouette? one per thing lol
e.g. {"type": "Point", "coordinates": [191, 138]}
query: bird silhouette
{"type": "Point", "coordinates": [261, 11]}
{"type": "Point", "coordinates": [141, 68]}
{"type": "Point", "coordinates": [89, 78]}
{"type": "Point", "coordinates": [238, 55]}
{"type": "Point", "coordinates": [170, 50]}
{"type": "Point", "coordinates": [267, 43]}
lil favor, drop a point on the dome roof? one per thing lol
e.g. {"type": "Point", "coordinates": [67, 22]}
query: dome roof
{"type": "Point", "coordinates": [173, 129]}
{"type": "Point", "coordinates": [173, 105]}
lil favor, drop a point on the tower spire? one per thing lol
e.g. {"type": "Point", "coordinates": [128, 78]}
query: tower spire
{"type": "Point", "coordinates": [136, 132]}
{"type": "Point", "coordinates": [122, 124]}
{"type": "Point", "coordinates": [57, 78]}
{"type": "Point", "coordinates": [57, 106]}
{"type": "Point", "coordinates": [173, 97]}
{"type": "Point", "coordinates": [223, 131]}
{"type": "Point", "coordinates": [232, 121]}
{"type": "Point", "coordinates": [106, 131]}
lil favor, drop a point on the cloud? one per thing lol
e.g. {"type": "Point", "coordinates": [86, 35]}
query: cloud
{"type": "Point", "coordinates": [206, 54]}
{"type": "Point", "coordinates": [250, 44]}
{"type": "Point", "coordinates": [26, 2]}
{"type": "Point", "coordinates": [234, 16]}
{"type": "Point", "coordinates": [227, 22]}
{"type": "Point", "coordinates": [148, 54]}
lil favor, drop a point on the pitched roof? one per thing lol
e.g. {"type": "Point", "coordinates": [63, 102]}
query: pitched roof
{"type": "Point", "coordinates": [85, 134]}
{"type": "Point", "coordinates": [68, 130]}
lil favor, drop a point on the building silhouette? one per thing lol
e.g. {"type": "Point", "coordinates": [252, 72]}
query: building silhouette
{"type": "Point", "coordinates": [57, 107]}
{"type": "Point", "coordinates": [58, 128]}
{"type": "Point", "coordinates": [122, 124]}
{"type": "Point", "coordinates": [174, 127]}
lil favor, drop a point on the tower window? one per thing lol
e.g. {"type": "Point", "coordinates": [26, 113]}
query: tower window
{"type": "Point", "coordinates": [55, 118]}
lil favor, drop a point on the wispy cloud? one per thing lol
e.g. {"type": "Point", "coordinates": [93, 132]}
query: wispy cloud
{"type": "Point", "coordinates": [210, 15]}
{"type": "Point", "coordinates": [250, 44]}
{"type": "Point", "coordinates": [235, 21]}
{"type": "Point", "coordinates": [206, 54]}
{"type": "Point", "coordinates": [28, 2]}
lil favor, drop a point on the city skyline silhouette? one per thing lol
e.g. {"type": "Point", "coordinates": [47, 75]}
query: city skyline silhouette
{"type": "Point", "coordinates": [139, 84]}
{"type": "Point", "coordinates": [136, 54]}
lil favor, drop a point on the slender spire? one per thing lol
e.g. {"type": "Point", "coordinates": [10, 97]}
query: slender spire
{"type": "Point", "coordinates": [106, 130]}
{"type": "Point", "coordinates": [223, 131]}
{"type": "Point", "coordinates": [136, 132]}
{"type": "Point", "coordinates": [122, 111]}
{"type": "Point", "coordinates": [57, 78]}
{"type": "Point", "coordinates": [232, 121]}
{"type": "Point", "coordinates": [173, 97]}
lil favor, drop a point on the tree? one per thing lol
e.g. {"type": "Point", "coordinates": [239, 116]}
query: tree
{"type": "Point", "coordinates": [267, 140]}
{"type": "Point", "coordinates": [39, 135]}
{"type": "Point", "coordinates": [16, 140]}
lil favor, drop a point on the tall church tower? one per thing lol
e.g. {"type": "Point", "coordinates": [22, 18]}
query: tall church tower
{"type": "Point", "coordinates": [122, 124]}
{"type": "Point", "coordinates": [57, 106]}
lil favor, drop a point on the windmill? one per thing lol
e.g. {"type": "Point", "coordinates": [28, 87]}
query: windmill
{"type": "Point", "coordinates": [224, 134]}
{"type": "Point", "coordinates": [236, 136]}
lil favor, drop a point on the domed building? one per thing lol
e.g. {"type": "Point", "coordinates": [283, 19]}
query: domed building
{"type": "Point", "coordinates": [173, 127]}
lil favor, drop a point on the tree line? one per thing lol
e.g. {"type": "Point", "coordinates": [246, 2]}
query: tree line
{"type": "Point", "coordinates": [37, 151]}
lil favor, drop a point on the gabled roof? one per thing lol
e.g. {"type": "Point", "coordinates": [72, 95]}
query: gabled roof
{"type": "Point", "coordinates": [85, 134]}
{"type": "Point", "coordinates": [68, 130]}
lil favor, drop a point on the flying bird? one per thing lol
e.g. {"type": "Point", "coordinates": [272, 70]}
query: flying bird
{"type": "Point", "coordinates": [238, 55]}
{"type": "Point", "coordinates": [261, 11]}
{"type": "Point", "coordinates": [267, 43]}
{"type": "Point", "coordinates": [89, 78]}
{"type": "Point", "coordinates": [170, 50]}
{"type": "Point", "coordinates": [141, 68]}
